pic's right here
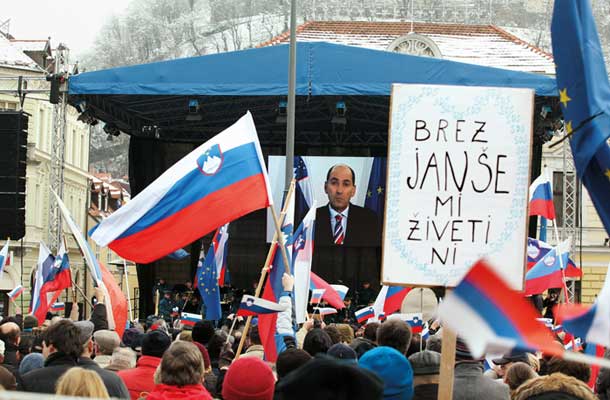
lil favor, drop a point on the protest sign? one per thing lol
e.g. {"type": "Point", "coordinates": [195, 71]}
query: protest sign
{"type": "Point", "coordinates": [458, 178]}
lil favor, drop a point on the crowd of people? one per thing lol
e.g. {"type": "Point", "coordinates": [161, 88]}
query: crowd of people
{"type": "Point", "coordinates": [317, 360]}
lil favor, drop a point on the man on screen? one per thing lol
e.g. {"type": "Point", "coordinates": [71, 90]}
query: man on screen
{"type": "Point", "coordinates": [347, 238]}
{"type": "Point", "coordinates": [340, 222]}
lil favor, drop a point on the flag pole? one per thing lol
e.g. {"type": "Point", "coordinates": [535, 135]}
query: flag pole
{"type": "Point", "coordinates": [561, 266]}
{"type": "Point", "coordinates": [127, 289]}
{"type": "Point", "coordinates": [232, 327]}
{"type": "Point", "coordinates": [261, 281]}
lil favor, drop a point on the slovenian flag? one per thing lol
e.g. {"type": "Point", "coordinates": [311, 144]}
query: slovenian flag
{"type": "Point", "coordinates": [548, 273]}
{"type": "Point", "coordinates": [364, 314]}
{"type": "Point", "coordinates": [220, 181]}
{"type": "Point", "coordinates": [316, 296]}
{"type": "Point", "coordinates": [189, 319]}
{"type": "Point", "coordinates": [331, 295]}
{"type": "Point", "coordinates": [4, 257]}
{"type": "Point", "coordinates": [537, 249]}
{"type": "Point", "coordinates": [251, 306]}
{"type": "Point", "coordinates": [416, 322]}
{"type": "Point", "coordinates": [341, 290]}
{"type": "Point", "coordinates": [490, 316]}
{"type": "Point", "coordinates": [13, 294]}
{"type": "Point", "coordinates": [302, 253]}
{"type": "Point", "coordinates": [390, 299]}
{"type": "Point", "coordinates": [541, 197]}
{"type": "Point", "coordinates": [57, 307]}
{"type": "Point", "coordinates": [303, 193]}
{"type": "Point", "coordinates": [325, 310]}
{"type": "Point", "coordinates": [590, 323]}
{"type": "Point", "coordinates": [39, 305]}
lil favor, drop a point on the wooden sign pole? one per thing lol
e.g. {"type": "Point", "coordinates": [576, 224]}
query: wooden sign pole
{"type": "Point", "coordinates": [445, 385]}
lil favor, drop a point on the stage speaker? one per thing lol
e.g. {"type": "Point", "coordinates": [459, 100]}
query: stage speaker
{"type": "Point", "coordinates": [13, 152]}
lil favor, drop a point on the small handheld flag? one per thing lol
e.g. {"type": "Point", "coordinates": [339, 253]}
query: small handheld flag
{"type": "Point", "coordinates": [251, 306]}
{"type": "Point", "coordinates": [341, 290]}
{"type": "Point", "coordinates": [4, 256]}
{"type": "Point", "coordinates": [364, 314]}
{"type": "Point", "coordinates": [189, 319]}
{"type": "Point", "coordinates": [57, 307]}
{"type": "Point", "coordinates": [541, 197]}
{"type": "Point", "coordinates": [13, 294]}
{"type": "Point", "coordinates": [316, 296]}
{"type": "Point", "coordinates": [326, 310]}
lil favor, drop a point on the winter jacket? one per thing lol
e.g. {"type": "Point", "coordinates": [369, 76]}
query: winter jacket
{"type": "Point", "coordinates": [140, 380]}
{"type": "Point", "coordinates": [114, 384]}
{"type": "Point", "coordinates": [470, 384]}
{"type": "Point", "coordinates": [99, 317]}
{"type": "Point", "coordinates": [188, 392]}
{"type": "Point", "coordinates": [43, 380]}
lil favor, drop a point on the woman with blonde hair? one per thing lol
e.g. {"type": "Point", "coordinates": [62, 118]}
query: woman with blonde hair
{"type": "Point", "coordinates": [83, 383]}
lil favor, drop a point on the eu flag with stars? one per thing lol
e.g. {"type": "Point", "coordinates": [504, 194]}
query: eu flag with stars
{"type": "Point", "coordinates": [584, 94]}
{"type": "Point", "coordinates": [207, 283]}
{"type": "Point", "coordinates": [375, 193]}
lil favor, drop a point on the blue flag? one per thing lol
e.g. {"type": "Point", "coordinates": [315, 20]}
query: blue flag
{"type": "Point", "coordinates": [207, 283]}
{"type": "Point", "coordinates": [584, 94]}
{"type": "Point", "coordinates": [375, 193]}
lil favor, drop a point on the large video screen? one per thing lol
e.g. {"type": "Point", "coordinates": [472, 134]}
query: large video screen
{"type": "Point", "coordinates": [349, 254]}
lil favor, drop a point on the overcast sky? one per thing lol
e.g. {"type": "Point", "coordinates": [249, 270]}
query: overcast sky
{"type": "Point", "coordinates": [73, 22]}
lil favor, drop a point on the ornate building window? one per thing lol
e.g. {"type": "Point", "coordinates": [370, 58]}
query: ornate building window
{"type": "Point", "coordinates": [415, 44]}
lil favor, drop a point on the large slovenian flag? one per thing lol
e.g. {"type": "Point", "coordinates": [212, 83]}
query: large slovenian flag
{"type": "Point", "coordinates": [389, 299]}
{"type": "Point", "coordinates": [267, 323]}
{"type": "Point", "coordinates": [251, 306]}
{"type": "Point", "coordinates": [114, 298]}
{"type": "Point", "coordinates": [39, 306]}
{"type": "Point", "coordinates": [549, 272]}
{"type": "Point", "coordinates": [331, 294]}
{"type": "Point", "coordinates": [541, 197]}
{"type": "Point", "coordinates": [220, 181]}
{"type": "Point", "coordinates": [589, 323]}
{"type": "Point", "coordinates": [488, 315]}
{"type": "Point", "coordinates": [58, 278]}
{"type": "Point", "coordinates": [4, 257]}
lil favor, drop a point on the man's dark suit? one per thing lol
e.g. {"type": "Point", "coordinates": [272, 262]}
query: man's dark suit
{"type": "Point", "coordinates": [358, 259]}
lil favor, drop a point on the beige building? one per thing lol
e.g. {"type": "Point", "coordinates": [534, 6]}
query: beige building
{"type": "Point", "coordinates": [30, 58]}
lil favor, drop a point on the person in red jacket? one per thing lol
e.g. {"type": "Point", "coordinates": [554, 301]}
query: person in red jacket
{"type": "Point", "coordinates": [140, 380]}
{"type": "Point", "coordinates": [180, 374]}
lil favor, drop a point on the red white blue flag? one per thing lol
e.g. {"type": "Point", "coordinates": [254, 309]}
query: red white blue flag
{"type": "Point", "coordinates": [364, 314]}
{"type": "Point", "coordinates": [541, 197]}
{"type": "Point", "coordinates": [325, 310]}
{"type": "Point", "coordinates": [390, 299]}
{"type": "Point", "coordinates": [331, 295]}
{"type": "Point", "coordinates": [316, 296]}
{"type": "Point", "coordinates": [189, 319]}
{"type": "Point", "coordinates": [4, 257]}
{"type": "Point", "coordinates": [550, 271]}
{"type": "Point", "coordinates": [220, 181]}
{"type": "Point", "coordinates": [251, 306]}
{"type": "Point", "coordinates": [16, 292]}
{"type": "Point", "coordinates": [57, 307]}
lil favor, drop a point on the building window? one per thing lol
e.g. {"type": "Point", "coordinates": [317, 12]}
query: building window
{"type": "Point", "coordinates": [8, 105]}
{"type": "Point", "coordinates": [559, 197]}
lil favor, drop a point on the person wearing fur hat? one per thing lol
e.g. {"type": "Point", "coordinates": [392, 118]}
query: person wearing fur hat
{"type": "Point", "coordinates": [469, 382]}
{"type": "Point", "coordinates": [556, 386]}
{"type": "Point", "coordinates": [180, 374]}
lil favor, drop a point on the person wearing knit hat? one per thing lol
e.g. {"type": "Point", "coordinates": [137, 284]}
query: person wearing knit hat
{"type": "Point", "coordinates": [343, 352]}
{"type": "Point", "coordinates": [469, 382]}
{"type": "Point", "coordinates": [324, 378]}
{"type": "Point", "coordinates": [122, 358]}
{"type": "Point", "coordinates": [141, 378]}
{"type": "Point", "coordinates": [394, 370]}
{"type": "Point", "coordinates": [106, 342]}
{"type": "Point", "coordinates": [426, 368]}
{"type": "Point", "coordinates": [248, 378]}
{"type": "Point", "coordinates": [289, 360]}
{"type": "Point", "coordinates": [31, 362]}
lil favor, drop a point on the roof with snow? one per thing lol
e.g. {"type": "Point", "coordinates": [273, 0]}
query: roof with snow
{"type": "Point", "coordinates": [485, 45]}
{"type": "Point", "coordinates": [42, 45]}
{"type": "Point", "coordinates": [12, 56]}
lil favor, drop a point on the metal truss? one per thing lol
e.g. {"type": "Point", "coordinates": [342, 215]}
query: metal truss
{"type": "Point", "coordinates": [58, 148]}
{"type": "Point", "coordinates": [570, 207]}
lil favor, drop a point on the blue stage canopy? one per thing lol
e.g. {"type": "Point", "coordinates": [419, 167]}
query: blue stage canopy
{"type": "Point", "coordinates": [323, 69]}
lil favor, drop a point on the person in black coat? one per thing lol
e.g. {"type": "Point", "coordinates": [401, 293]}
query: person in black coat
{"type": "Point", "coordinates": [347, 243]}
{"type": "Point", "coordinates": [61, 348]}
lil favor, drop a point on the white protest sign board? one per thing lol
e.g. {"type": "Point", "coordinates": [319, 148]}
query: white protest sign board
{"type": "Point", "coordinates": [458, 179]}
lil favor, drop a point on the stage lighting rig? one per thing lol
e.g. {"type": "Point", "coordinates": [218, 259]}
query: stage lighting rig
{"type": "Point", "coordinates": [340, 113]}
{"type": "Point", "coordinates": [193, 110]}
